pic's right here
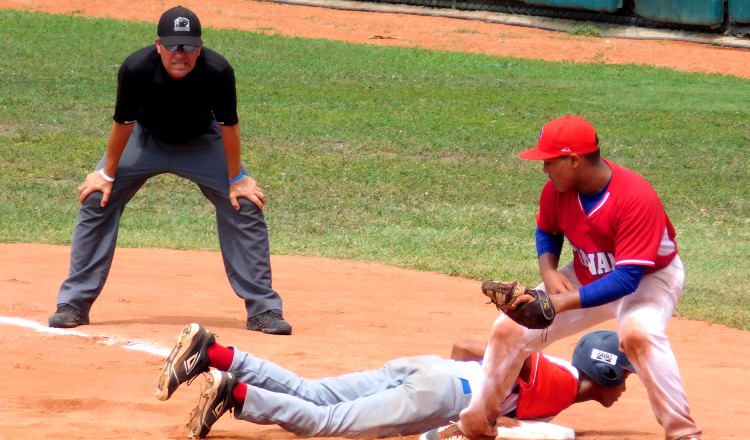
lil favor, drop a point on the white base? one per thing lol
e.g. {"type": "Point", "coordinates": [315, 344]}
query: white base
{"type": "Point", "coordinates": [530, 430]}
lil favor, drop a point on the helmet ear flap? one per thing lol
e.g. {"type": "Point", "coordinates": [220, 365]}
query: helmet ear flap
{"type": "Point", "coordinates": [608, 375]}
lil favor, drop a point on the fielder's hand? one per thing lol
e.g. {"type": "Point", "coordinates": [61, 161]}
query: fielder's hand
{"type": "Point", "coordinates": [555, 282]}
{"type": "Point", "coordinates": [529, 307]}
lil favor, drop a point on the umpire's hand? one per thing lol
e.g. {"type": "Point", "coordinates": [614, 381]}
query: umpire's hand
{"type": "Point", "coordinates": [248, 188]}
{"type": "Point", "coordinates": [95, 182]}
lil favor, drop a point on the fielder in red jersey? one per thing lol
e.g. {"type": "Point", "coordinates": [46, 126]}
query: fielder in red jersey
{"type": "Point", "coordinates": [625, 266]}
{"type": "Point", "coordinates": [628, 222]}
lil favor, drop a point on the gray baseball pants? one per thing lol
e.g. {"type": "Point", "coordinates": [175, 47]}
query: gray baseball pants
{"type": "Point", "coordinates": [243, 236]}
{"type": "Point", "coordinates": [406, 396]}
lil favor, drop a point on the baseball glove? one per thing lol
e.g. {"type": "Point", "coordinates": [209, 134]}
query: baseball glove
{"type": "Point", "coordinates": [536, 312]}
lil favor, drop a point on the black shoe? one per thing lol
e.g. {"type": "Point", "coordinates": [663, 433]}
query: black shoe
{"type": "Point", "coordinates": [271, 322]}
{"type": "Point", "coordinates": [188, 359]}
{"type": "Point", "coordinates": [216, 399]}
{"type": "Point", "coordinates": [68, 316]}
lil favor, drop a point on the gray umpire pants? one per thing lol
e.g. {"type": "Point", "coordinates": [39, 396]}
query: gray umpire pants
{"type": "Point", "coordinates": [243, 236]}
{"type": "Point", "coordinates": [407, 396]}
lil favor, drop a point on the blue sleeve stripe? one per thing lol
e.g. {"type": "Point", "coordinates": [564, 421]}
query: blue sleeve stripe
{"type": "Point", "coordinates": [623, 281]}
{"type": "Point", "coordinates": [548, 243]}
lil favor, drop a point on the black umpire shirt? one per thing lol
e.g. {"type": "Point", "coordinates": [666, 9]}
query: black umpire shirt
{"type": "Point", "coordinates": [176, 110]}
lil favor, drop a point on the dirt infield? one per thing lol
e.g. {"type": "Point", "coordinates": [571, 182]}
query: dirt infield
{"type": "Point", "coordinates": [97, 386]}
{"type": "Point", "coordinates": [57, 386]}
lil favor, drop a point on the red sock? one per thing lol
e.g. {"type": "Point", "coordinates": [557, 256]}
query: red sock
{"type": "Point", "coordinates": [220, 357]}
{"type": "Point", "coordinates": [240, 393]}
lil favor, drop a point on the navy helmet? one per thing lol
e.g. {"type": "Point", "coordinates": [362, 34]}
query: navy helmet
{"type": "Point", "coordinates": [598, 355]}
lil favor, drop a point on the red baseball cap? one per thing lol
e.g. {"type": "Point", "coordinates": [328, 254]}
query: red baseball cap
{"type": "Point", "coordinates": [562, 137]}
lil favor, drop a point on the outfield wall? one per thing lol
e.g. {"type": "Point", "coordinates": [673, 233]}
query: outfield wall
{"type": "Point", "coordinates": [708, 15]}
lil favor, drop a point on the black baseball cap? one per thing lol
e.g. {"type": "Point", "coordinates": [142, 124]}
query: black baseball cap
{"type": "Point", "coordinates": [179, 25]}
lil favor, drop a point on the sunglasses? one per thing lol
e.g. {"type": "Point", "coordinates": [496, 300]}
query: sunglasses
{"type": "Point", "coordinates": [189, 48]}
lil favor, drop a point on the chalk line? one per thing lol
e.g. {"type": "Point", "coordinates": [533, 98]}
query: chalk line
{"type": "Point", "coordinates": [128, 344]}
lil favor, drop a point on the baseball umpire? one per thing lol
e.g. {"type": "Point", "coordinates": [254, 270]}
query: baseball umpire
{"type": "Point", "coordinates": [406, 396]}
{"type": "Point", "coordinates": [176, 112]}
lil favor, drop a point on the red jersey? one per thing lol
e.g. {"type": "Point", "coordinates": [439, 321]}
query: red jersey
{"type": "Point", "coordinates": [628, 226]}
{"type": "Point", "coordinates": [552, 387]}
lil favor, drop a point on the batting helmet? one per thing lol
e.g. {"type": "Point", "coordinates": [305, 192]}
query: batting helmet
{"type": "Point", "coordinates": [598, 355]}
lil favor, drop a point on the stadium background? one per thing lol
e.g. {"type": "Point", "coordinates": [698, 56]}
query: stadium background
{"type": "Point", "coordinates": [92, 386]}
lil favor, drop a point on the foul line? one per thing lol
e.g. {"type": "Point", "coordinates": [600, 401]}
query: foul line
{"type": "Point", "coordinates": [128, 344]}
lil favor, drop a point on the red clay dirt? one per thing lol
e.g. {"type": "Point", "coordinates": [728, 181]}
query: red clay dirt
{"type": "Point", "coordinates": [347, 315]}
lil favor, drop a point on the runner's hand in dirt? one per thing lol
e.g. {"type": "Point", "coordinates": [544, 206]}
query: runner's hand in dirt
{"type": "Point", "coordinates": [475, 426]}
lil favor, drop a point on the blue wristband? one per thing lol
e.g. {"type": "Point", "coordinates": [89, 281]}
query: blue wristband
{"type": "Point", "coordinates": [239, 176]}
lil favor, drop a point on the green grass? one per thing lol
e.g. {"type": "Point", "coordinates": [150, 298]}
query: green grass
{"type": "Point", "coordinates": [586, 30]}
{"type": "Point", "coordinates": [401, 156]}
